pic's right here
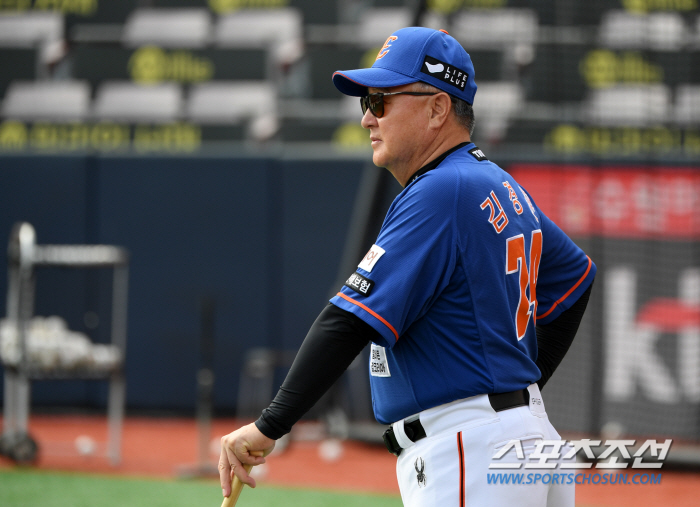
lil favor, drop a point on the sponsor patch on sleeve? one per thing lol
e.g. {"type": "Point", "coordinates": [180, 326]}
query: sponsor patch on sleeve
{"type": "Point", "coordinates": [359, 284]}
{"type": "Point", "coordinates": [371, 258]}
{"type": "Point", "coordinates": [444, 72]}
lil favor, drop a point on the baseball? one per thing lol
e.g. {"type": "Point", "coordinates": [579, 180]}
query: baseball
{"type": "Point", "coordinates": [85, 445]}
{"type": "Point", "coordinates": [330, 449]}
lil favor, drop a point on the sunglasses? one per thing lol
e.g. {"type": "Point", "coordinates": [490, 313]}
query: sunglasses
{"type": "Point", "coordinates": [375, 101]}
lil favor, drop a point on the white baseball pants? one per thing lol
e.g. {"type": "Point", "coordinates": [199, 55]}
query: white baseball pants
{"type": "Point", "coordinates": [450, 467]}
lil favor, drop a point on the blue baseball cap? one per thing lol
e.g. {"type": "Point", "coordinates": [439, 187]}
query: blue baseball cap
{"type": "Point", "coordinates": [415, 54]}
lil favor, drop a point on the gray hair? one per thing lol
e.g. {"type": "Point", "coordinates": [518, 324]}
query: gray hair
{"type": "Point", "coordinates": [462, 109]}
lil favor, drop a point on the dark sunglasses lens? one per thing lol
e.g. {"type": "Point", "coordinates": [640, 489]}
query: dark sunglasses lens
{"type": "Point", "coordinates": [376, 104]}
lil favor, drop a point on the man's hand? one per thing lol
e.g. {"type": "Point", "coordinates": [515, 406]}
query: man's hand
{"type": "Point", "coordinates": [235, 452]}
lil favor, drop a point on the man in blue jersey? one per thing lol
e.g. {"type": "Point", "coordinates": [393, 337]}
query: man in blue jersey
{"type": "Point", "coordinates": [470, 298]}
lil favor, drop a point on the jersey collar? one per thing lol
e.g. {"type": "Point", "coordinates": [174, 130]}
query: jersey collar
{"type": "Point", "coordinates": [435, 162]}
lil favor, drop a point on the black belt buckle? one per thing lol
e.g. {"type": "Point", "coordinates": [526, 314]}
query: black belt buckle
{"type": "Point", "coordinates": [390, 441]}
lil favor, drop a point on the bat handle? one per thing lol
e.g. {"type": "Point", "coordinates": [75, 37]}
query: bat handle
{"type": "Point", "coordinates": [237, 485]}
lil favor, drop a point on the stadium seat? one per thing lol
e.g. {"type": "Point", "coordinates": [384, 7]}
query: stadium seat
{"type": "Point", "coordinates": [230, 101]}
{"type": "Point", "coordinates": [496, 28]}
{"type": "Point", "coordinates": [280, 30]}
{"type": "Point", "coordinates": [662, 31]}
{"type": "Point", "coordinates": [227, 102]}
{"type": "Point", "coordinates": [350, 109]}
{"type": "Point", "coordinates": [125, 101]}
{"type": "Point", "coordinates": [687, 104]}
{"type": "Point", "coordinates": [376, 24]}
{"type": "Point", "coordinates": [495, 104]}
{"type": "Point", "coordinates": [630, 105]}
{"type": "Point", "coordinates": [47, 100]}
{"type": "Point", "coordinates": [31, 28]}
{"type": "Point", "coordinates": [168, 28]}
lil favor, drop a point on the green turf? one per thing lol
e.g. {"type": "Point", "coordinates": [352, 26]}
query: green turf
{"type": "Point", "coordinates": [28, 488]}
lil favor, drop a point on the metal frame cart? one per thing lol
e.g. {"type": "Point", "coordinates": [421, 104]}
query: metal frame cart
{"type": "Point", "coordinates": [23, 256]}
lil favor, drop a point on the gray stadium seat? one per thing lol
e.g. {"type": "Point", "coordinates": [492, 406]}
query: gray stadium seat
{"type": "Point", "coordinates": [497, 28]}
{"type": "Point", "coordinates": [227, 102]}
{"type": "Point", "coordinates": [280, 30]}
{"type": "Point", "coordinates": [350, 109]}
{"type": "Point", "coordinates": [630, 105]}
{"type": "Point", "coordinates": [125, 101]}
{"type": "Point", "coordinates": [47, 100]}
{"type": "Point", "coordinates": [687, 104]}
{"type": "Point", "coordinates": [495, 104]}
{"type": "Point", "coordinates": [661, 31]}
{"type": "Point", "coordinates": [30, 29]}
{"type": "Point", "coordinates": [168, 27]}
{"type": "Point", "coordinates": [376, 24]}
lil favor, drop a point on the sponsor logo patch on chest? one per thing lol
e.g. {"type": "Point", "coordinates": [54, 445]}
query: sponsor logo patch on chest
{"type": "Point", "coordinates": [378, 365]}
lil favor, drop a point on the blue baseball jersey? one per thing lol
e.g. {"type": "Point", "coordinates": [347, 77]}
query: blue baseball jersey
{"type": "Point", "coordinates": [463, 267]}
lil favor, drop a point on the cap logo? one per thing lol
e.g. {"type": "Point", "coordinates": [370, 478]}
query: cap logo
{"type": "Point", "coordinates": [444, 72]}
{"type": "Point", "coordinates": [385, 48]}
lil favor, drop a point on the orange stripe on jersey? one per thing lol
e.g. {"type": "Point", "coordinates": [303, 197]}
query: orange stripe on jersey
{"type": "Point", "coordinates": [590, 263]}
{"type": "Point", "coordinates": [372, 313]}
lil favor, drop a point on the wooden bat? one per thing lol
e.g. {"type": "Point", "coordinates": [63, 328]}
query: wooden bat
{"type": "Point", "coordinates": [237, 485]}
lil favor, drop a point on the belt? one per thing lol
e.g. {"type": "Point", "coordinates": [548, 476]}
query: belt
{"type": "Point", "coordinates": [414, 429]}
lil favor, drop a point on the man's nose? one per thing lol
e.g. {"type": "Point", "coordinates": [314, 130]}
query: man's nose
{"type": "Point", "coordinates": [368, 119]}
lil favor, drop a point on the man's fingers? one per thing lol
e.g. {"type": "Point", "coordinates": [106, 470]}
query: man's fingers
{"type": "Point", "coordinates": [224, 472]}
{"type": "Point", "coordinates": [225, 481]}
{"type": "Point", "coordinates": [240, 451]}
{"type": "Point", "coordinates": [228, 466]}
{"type": "Point", "coordinates": [238, 468]}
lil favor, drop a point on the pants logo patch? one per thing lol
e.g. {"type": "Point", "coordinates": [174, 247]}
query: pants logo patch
{"type": "Point", "coordinates": [420, 472]}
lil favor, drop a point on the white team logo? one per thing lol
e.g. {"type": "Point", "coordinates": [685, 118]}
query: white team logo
{"type": "Point", "coordinates": [435, 68]}
{"type": "Point", "coordinates": [371, 258]}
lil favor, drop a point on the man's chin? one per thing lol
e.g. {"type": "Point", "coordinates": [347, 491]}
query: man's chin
{"type": "Point", "coordinates": [379, 159]}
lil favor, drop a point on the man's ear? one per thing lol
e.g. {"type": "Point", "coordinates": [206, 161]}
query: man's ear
{"type": "Point", "coordinates": [440, 110]}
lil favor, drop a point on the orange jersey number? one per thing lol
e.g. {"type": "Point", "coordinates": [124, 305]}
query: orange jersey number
{"type": "Point", "coordinates": [516, 262]}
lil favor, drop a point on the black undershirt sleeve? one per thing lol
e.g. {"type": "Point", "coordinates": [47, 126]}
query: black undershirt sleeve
{"type": "Point", "coordinates": [332, 343]}
{"type": "Point", "coordinates": [555, 338]}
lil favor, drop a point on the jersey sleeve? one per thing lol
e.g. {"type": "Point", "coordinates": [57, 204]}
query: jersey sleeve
{"type": "Point", "coordinates": [417, 255]}
{"type": "Point", "coordinates": [565, 272]}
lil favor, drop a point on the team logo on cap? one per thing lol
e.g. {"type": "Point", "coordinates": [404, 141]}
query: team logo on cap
{"type": "Point", "coordinates": [444, 72]}
{"type": "Point", "coordinates": [386, 46]}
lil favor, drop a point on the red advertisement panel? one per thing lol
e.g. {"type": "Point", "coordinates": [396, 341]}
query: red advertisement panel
{"type": "Point", "coordinates": [630, 202]}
